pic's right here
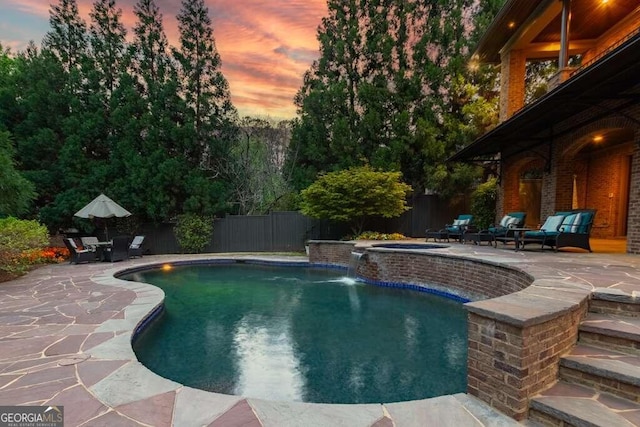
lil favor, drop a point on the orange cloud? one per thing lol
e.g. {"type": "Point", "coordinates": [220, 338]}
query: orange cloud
{"type": "Point", "coordinates": [265, 46]}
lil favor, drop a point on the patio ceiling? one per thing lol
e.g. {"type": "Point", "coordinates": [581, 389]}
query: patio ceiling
{"type": "Point", "coordinates": [605, 88]}
{"type": "Point", "coordinates": [536, 26]}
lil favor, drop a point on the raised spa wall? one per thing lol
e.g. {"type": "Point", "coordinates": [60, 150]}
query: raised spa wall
{"type": "Point", "coordinates": [518, 327]}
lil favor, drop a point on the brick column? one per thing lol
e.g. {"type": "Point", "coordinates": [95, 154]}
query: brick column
{"type": "Point", "coordinates": [633, 221]}
{"type": "Point", "coordinates": [512, 74]}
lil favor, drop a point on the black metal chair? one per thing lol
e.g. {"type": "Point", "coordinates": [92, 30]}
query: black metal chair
{"type": "Point", "coordinates": [119, 249]}
{"type": "Point", "coordinates": [78, 255]}
{"type": "Point", "coordinates": [135, 248]}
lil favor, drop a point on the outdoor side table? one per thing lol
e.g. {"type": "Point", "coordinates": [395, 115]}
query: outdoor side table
{"type": "Point", "coordinates": [437, 235]}
{"type": "Point", "coordinates": [478, 237]}
{"type": "Point", "coordinates": [518, 235]}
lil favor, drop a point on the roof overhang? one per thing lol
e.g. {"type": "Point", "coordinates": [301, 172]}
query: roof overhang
{"type": "Point", "coordinates": [533, 26]}
{"type": "Point", "coordinates": [610, 85]}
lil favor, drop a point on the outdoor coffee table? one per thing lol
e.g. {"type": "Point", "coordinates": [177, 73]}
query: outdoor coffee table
{"type": "Point", "coordinates": [478, 237]}
{"type": "Point", "coordinates": [437, 235]}
{"type": "Point", "coordinates": [99, 247]}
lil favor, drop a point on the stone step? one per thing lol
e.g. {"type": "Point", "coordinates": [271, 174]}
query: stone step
{"type": "Point", "coordinates": [614, 301]}
{"type": "Point", "coordinates": [609, 371]}
{"type": "Point", "coordinates": [618, 333]}
{"type": "Point", "coordinates": [575, 405]}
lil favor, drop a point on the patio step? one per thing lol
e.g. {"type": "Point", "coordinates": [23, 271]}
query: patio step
{"type": "Point", "coordinates": [613, 372]}
{"type": "Point", "coordinates": [567, 404]}
{"type": "Point", "coordinates": [615, 302]}
{"type": "Point", "coordinates": [599, 379]}
{"type": "Point", "coordinates": [618, 333]}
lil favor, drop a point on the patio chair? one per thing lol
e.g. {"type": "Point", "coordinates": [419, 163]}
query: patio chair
{"type": "Point", "coordinates": [89, 241]}
{"type": "Point", "coordinates": [503, 231]}
{"type": "Point", "coordinates": [119, 249]}
{"type": "Point", "coordinates": [455, 230]}
{"type": "Point", "coordinates": [135, 248]}
{"type": "Point", "coordinates": [78, 255]}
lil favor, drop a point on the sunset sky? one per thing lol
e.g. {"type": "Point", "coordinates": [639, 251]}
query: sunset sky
{"type": "Point", "coordinates": [265, 45]}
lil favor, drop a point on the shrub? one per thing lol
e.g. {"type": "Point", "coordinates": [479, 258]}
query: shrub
{"type": "Point", "coordinates": [354, 195]}
{"type": "Point", "coordinates": [193, 232]}
{"type": "Point", "coordinates": [374, 235]}
{"type": "Point", "coordinates": [483, 203]}
{"type": "Point", "coordinates": [19, 241]}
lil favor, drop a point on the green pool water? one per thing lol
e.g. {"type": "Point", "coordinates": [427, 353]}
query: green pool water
{"type": "Point", "coordinates": [302, 334]}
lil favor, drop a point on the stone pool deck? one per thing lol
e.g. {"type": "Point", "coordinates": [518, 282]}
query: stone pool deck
{"type": "Point", "coordinates": [65, 333]}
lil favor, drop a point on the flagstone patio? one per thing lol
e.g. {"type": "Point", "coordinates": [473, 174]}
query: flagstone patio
{"type": "Point", "coordinates": [65, 339]}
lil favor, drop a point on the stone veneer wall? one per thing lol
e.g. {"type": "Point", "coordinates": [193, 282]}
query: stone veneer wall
{"type": "Point", "coordinates": [518, 327]}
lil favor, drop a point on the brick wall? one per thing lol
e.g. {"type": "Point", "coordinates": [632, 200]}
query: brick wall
{"type": "Point", "coordinates": [510, 363]}
{"type": "Point", "coordinates": [512, 85]}
{"type": "Point", "coordinates": [330, 252]}
{"type": "Point", "coordinates": [633, 231]}
{"type": "Point", "coordinates": [472, 279]}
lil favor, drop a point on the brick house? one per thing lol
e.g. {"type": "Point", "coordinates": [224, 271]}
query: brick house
{"type": "Point", "coordinates": [577, 146]}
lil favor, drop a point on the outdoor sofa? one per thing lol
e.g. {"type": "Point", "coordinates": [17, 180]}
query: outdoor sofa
{"type": "Point", "coordinates": [570, 228]}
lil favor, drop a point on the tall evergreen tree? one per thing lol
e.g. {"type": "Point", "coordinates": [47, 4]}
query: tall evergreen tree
{"type": "Point", "coordinates": [204, 87]}
{"type": "Point", "coordinates": [67, 38]}
{"type": "Point", "coordinates": [38, 127]}
{"type": "Point", "coordinates": [391, 78]}
{"type": "Point", "coordinates": [108, 44]}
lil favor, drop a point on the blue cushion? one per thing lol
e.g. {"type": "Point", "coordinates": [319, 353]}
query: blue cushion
{"type": "Point", "coordinates": [540, 234]}
{"type": "Point", "coordinates": [568, 223]}
{"type": "Point", "coordinates": [552, 223]}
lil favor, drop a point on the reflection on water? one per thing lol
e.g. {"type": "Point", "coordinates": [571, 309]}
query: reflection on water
{"type": "Point", "coordinates": [298, 334]}
{"type": "Point", "coordinates": [266, 360]}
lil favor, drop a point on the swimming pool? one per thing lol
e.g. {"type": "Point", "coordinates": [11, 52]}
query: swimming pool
{"type": "Point", "coordinates": [302, 334]}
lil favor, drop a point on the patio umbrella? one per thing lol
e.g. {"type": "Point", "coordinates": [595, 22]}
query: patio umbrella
{"type": "Point", "coordinates": [102, 207]}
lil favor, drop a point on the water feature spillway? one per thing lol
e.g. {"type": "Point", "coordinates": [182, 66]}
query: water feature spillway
{"type": "Point", "coordinates": [354, 261]}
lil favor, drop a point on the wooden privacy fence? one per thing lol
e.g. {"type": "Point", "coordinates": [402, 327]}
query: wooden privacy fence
{"type": "Point", "coordinates": [287, 231]}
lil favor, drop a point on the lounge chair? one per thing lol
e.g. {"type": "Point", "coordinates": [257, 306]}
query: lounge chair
{"type": "Point", "coordinates": [78, 255]}
{"type": "Point", "coordinates": [135, 248]}
{"type": "Point", "coordinates": [503, 231]}
{"type": "Point", "coordinates": [119, 249]}
{"type": "Point", "coordinates": [564, 229]}
{"type": "Point", "coordinates": [455, 230]}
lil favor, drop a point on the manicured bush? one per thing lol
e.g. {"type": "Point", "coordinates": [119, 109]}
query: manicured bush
{"type": "Point", "coordinates": [193, 232]}
{"type": "Point", "coordinates": [20, 241]}
{"type": "Point", "coordinates": [354, 195]}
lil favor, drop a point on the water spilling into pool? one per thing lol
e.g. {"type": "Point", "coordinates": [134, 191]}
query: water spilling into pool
{"type": "Point", "coordinates": [303, 334]}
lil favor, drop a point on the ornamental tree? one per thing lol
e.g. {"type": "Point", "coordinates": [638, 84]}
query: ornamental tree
{"type": "Point", "coordinates": [353, 195]}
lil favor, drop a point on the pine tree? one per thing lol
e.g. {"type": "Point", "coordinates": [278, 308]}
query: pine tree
{"type": "Point", "coordinates": [67, 38]}
{"type": "Point", "coordinates": [108, 45]}
{"type": "Point", "coordinates": [204, 87]}
{"type": "Point", "coordinates": [389, 89]}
